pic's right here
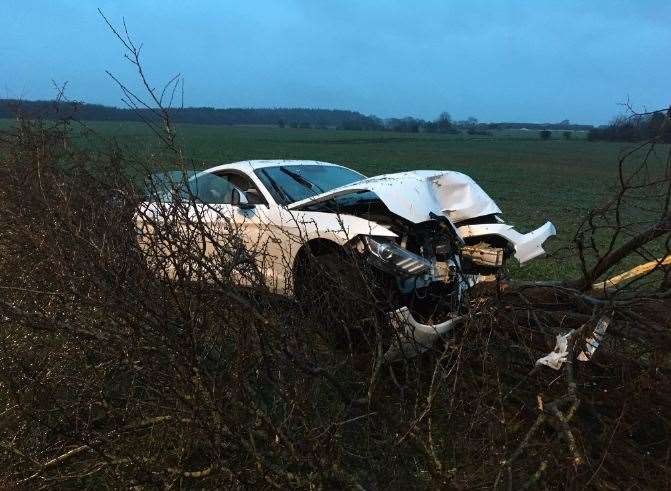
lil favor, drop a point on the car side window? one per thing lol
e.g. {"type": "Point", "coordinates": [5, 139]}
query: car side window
{"type": "Point", "coordinates": [212, 189]}
{"type": "Point", "coordinates": [246, 185]}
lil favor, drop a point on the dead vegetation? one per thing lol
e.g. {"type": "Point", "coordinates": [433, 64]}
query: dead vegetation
{"type": "Point", "coordinates": [122, 365]}
{"type": "Point", "coordinates": [141, 363]}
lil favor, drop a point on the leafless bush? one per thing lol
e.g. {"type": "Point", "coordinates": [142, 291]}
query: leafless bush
{"type": "Point", "coordinates": [140, 361]}
{"type": "Point", "coordinates": [136, 359]}
{"type": "Point", "coordinates": [130, 355]}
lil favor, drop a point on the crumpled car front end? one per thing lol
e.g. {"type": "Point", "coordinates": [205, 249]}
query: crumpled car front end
{"type": "Point", "coordinates": [448, 236]}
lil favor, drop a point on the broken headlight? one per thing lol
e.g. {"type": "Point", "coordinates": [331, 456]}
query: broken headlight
{"type": "Point", "coordinates": [395, 257]}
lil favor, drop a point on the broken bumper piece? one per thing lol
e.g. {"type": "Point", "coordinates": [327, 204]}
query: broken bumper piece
{"type": "Point", "coordinates": [413, 337]}
{"type": "Point", "coordinates": [527, 246]}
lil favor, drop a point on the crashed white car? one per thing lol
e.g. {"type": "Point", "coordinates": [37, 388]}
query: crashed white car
{"type": "Point", "coordinates": [433, 233]}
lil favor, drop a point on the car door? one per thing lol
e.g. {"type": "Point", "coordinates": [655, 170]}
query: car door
{"type": "Point", "coordinates": [242, 225]}
{"type": "Point", "coordinates": [217, 243]}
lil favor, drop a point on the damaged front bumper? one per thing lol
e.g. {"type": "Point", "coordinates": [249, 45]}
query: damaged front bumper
{"type": "Point", "coordinates": [527, 246]}
{"type": "Point", "coordinates": [412, 337]}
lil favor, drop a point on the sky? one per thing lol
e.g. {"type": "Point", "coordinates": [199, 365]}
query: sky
{"type": "Point", "coordinates": [540, 61]}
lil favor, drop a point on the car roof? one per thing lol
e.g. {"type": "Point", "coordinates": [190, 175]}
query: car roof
{"type": "Point", "coordinates": [260, 164]}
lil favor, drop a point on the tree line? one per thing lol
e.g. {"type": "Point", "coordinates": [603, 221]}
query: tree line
{"type": "Point", "coordinates": [195, 115]}
{"type": "Point", "coordinates": [281, 117]}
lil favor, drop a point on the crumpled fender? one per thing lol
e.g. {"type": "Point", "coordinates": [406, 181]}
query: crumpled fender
{"type": "Point", "coordinates": [527, 246]}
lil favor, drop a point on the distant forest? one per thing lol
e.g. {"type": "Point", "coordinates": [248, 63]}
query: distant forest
{"type": "Point", "coordinates": [195, 115]}
{"type": "Point", "coordinates": [283, 117]}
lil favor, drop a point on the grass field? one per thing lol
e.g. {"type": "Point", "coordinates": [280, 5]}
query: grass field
{"type": "Point", "coordinates": [531, 180]}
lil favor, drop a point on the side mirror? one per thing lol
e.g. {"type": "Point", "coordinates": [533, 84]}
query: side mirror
{"type": "Point", "coordinates": [253, 196]}
{"type": "Point", "coordinates": [240, 200]}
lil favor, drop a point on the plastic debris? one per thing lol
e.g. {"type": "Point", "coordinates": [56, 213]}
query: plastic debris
{"type": "Point", "coordinates": [593, 342]}
{"type": "Point", "coordinates": [415, 337]}
{"type": "Point", "coordinates": [557, 357]}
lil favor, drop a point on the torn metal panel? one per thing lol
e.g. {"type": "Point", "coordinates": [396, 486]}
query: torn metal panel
{"type": "Point", "coordinates": [414, 195]}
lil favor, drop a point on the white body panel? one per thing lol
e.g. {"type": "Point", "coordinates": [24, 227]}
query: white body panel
{"type": "Point", "coordinates": [279, 233]}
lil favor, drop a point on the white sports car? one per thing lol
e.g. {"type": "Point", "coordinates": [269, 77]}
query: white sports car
{"type": "Point", "coordinates": [430, 232]}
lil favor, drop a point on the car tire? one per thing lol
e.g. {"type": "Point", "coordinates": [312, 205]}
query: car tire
{"type": "Point", "coordinates": [337, 294]}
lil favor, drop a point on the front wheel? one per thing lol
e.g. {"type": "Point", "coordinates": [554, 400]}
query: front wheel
{"type": "Point", "coordinates": [341, 296]}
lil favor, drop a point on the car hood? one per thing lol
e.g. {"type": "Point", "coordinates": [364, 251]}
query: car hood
{"type": "Point", "coordinates": [414, 195]}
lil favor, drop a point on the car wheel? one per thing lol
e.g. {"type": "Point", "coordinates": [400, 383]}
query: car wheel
{"type": "Point", "coordinates": [338, 295]}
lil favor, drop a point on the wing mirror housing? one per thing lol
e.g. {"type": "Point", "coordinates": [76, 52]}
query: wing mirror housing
{"type": "Point", "coordinates": [254, 197]}
{"type": "Point", "coordinates": [240, 200]}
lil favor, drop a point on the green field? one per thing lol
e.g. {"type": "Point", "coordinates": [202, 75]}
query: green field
{"type": "Point", "coordinates": [531, 180]}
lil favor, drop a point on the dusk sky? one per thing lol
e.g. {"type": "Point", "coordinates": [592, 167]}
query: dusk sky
{"type": "Point", "coordinates": [495, 60]}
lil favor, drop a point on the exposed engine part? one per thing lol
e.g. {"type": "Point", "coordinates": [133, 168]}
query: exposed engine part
{"type": "Point", "coordinates": [484, 254]}
{"type": "Point", "coordinates": [442, 271]}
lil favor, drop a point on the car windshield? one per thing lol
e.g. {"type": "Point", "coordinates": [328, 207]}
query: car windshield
{"type": "Point", "coordinates": [291, 183]}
